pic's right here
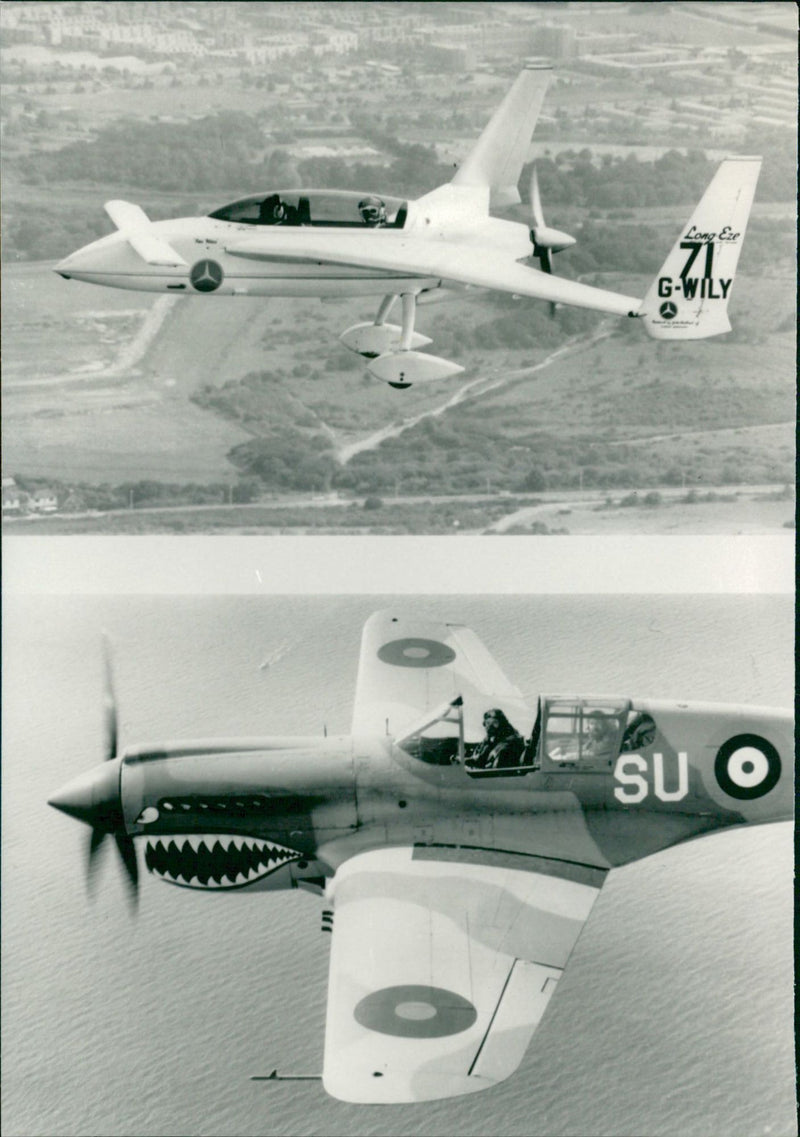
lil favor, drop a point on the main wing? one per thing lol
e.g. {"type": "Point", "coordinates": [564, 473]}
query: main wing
{"type": "Point", "coordinates": [387, 251]}
{"type": "Point", "coordinates": [442, 966]}
{"type": "Point", "coordinates": [408, 667]}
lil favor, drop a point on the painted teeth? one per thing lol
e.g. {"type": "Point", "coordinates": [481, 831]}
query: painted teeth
{"type": "Point", "coordinates": [215, 861]}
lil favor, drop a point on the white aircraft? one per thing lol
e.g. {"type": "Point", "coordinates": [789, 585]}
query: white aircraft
{"type": "Point", "coordinates": [459, 836]}
{"type": "Point", "coordinates": [329, 243]}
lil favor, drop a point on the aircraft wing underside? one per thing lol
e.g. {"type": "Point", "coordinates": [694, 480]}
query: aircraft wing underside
{"type": "Point", "coordinates": [479, 265]}
{"type": "Point", "coordinates": [408, 667]}
{"type": "Point", "coordinates": [441, 968]}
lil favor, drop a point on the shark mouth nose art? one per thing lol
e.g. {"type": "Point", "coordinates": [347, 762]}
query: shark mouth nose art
{"type": "Point", "coordinates": [215, 861]}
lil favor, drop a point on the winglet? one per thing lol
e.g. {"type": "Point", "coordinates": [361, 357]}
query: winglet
{"type": "Point", "coordinates": [497, 158]}
{"type": "Point", "coordinates": [688, 300]}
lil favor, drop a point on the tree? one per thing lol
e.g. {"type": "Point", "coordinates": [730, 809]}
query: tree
{"type": "Point", "coordinates": [246, 490]}
{"type": "Point", "coordinates": [534, 481]}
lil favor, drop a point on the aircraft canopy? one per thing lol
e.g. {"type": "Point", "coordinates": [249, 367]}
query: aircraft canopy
{"type": "Point", "coordinates": [329, 208]}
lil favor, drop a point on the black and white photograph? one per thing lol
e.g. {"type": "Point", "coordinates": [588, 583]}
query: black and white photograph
{"type": "Point", "coordinates": [420, 785]}
{"type": "Point", "coordinates": [301, 302]}
{"type": "Point", "coordinates": [425, 268]}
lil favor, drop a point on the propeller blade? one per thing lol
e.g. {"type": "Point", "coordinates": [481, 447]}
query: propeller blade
{"type": "Point", "coordinates": [110, 720]}
{"type": "Point", "coordinates": [96, 840]}
{"type": "Point", "coordinates": [127, 854]}
{"type": "Point", "coordinates": [95, 798]}
{"type": "Point", "coordinates": [92, 863]}
{"type": "Point", "coordinates": [535, 200]}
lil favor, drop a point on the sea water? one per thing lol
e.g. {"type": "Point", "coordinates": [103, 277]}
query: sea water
{"type": "Point", "coordinates": [673, 1018]}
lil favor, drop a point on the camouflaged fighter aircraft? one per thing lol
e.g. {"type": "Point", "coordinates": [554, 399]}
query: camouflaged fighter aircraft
{"type": "Point", "coordinates": [307, 242]}
{"type": "Point", "coordinates": [459, 836]}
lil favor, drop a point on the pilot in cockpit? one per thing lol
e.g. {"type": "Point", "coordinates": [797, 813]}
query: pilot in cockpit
{"type": "Point", "coordinates": [373, 211]}
{"type": "Point", "coordinates": [273, 211]}
{"type": "Point", "coordinates": [501, 748]}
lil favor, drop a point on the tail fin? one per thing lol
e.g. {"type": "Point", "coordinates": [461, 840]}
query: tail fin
{"type": "Point", "coordinates": [496, 159]}
{"type": "Point", "coordinates": [688, 300]}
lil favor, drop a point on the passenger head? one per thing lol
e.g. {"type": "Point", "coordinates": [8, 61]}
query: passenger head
{"type": "Point", "coordinates": [372, 210]}
{"type": "Point", "coordinates": [598, 725]}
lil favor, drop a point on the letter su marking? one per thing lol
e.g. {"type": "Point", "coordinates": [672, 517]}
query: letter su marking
{"type": "Point", "coordinates": [636, 781]}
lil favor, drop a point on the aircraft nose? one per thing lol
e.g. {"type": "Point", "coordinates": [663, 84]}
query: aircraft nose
{"type": "Point", "coordinates": [75, 262]}
{"type": "Point", "coordinates": [93, 797]}
{"type": "Point", "coordinates": [102, 256]}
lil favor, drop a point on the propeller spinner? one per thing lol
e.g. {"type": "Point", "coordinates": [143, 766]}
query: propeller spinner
{"type": "Point", "coordinates": [95, 797]}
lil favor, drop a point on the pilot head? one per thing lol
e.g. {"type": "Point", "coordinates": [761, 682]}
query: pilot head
{"type": "Point", "coordinates": [373, 211]}
{"type": "Point", "coordinates": [496, 724]}
{"type": "Point", "coordinates": [272, 209]}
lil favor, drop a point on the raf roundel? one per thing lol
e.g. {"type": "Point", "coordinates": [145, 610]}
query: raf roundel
{"type": "Point", "coordinates": [415, 652]}
{"type": "Point", "coordinates": [747, 767]}
{"type": "Point", "coordinates": [415, 1011]}
{"type": "Point", "coordinates": [206, 276]}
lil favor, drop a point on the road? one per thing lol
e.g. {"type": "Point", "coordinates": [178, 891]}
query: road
{"type": "Point", "coordinates": [575, 501]}
{"type": "Point", "coordinates": [717, 432]}
{"type": "Point", "coordinates": [518, 514]}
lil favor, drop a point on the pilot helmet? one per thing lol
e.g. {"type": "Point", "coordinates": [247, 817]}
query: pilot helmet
{"type": "Point", "coordinates": [273, 207]}
{"type": "Point", "coordinates": [494, 717]}
{"type": "Point", "coordinates": [373, 210]}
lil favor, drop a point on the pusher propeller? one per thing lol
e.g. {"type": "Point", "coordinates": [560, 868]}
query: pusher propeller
{"type": "Point", "coordinates": [546, 241]}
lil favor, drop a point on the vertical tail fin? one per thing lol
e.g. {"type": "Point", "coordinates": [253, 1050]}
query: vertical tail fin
{"type": "Point", "coordinates": [496, 159]}
{"type": "Point", "coordinates": [688, 300]}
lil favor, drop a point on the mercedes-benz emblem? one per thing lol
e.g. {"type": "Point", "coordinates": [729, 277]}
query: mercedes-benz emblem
{"type": "Point", "coordinates": [206, 276]}
{"type": "Point", "coordinates": [668, 310]}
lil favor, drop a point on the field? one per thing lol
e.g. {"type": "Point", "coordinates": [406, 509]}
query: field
{"type": "Point", "coordinates": [83, 401]}
{"type": "Point", "coordinates": [80, 404]}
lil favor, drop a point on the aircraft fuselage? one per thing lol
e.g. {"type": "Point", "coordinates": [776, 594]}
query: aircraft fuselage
{"type": "Point", "coordinates": [282, 812]}
{"type": "Point", "coordinates": [211, 270]}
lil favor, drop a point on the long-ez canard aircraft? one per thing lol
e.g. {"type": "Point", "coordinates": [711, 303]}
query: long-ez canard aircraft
{"type": "Point", "coordinates": [459, 835]}
{"type": "Point", "coordinates": [329, 243]}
